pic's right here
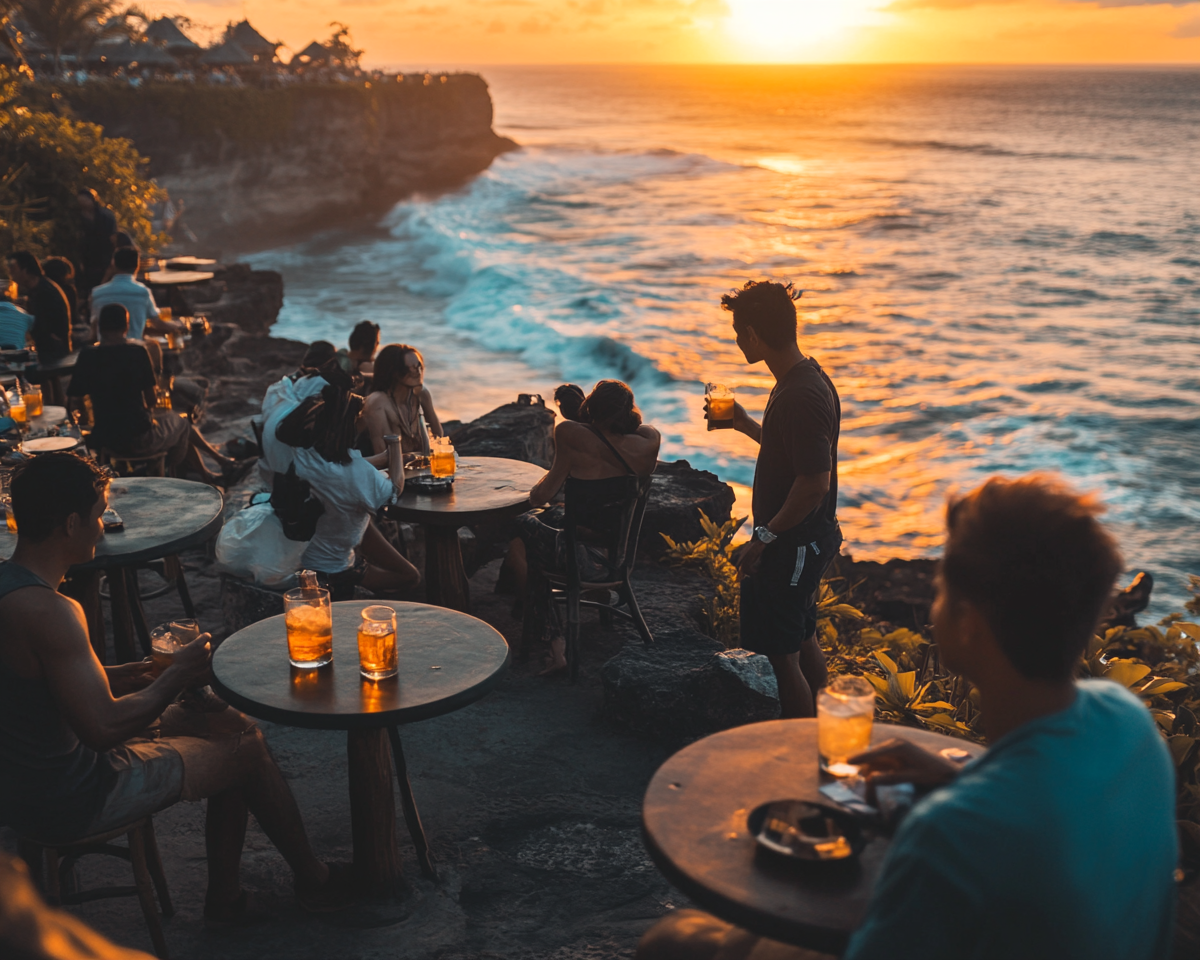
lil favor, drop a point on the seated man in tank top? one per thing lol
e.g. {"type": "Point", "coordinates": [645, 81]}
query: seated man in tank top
{"type": "Point", "coordinates": [86, 748]}
{"type": "Point", "coordinates": [399, 403]}
{"type": "Point", "coordinates": [608, 441]}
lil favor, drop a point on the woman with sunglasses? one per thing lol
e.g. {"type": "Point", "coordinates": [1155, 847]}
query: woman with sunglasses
{"type": "Point", "coordinates": [397, 400]}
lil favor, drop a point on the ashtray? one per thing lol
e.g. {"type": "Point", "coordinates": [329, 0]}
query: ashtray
{"type": "Point", "coordinates": [800, 830]}
{"type": "Point", "coordinates": [427, 484]}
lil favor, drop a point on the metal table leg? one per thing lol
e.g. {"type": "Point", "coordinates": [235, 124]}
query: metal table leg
{"type": "Point", "coordinates": [411, 816]}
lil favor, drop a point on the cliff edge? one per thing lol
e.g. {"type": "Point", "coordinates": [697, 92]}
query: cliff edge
{"type": "Point", "coordinates": [255, 166]}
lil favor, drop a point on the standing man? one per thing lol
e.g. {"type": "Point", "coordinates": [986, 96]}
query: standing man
{"type": "Point", "coordinates": [135, 297]}
{"type": "Point", "coordinates": [796, 532]}
{"type": "Point", "coordinates": [51, 329]}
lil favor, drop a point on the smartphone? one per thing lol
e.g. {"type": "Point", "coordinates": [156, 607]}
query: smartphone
{"type": "Point", "coordinates": [112, 520]}
{"type": "Point", "coordinates": [844, 797]}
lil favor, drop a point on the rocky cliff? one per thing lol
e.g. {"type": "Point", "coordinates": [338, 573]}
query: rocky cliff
{"type": "Point", "coordinates": [255, 166]}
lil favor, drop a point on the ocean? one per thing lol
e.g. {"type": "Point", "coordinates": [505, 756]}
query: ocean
{"type": "Point", "coordinates": [1000, 266]}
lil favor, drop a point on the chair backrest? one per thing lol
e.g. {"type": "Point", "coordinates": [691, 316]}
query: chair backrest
{"type": "Point", "coordinates": [611, 510]}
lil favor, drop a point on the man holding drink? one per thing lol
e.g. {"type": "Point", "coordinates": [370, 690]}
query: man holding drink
{"type": "Point", "coordinates": [86, 748]}
{"type": "Point", "coordinates": [796, 533]}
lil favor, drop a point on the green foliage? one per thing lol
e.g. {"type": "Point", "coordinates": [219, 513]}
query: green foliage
{"type": "Point", "coordinates": [713, 554]}
{"type": "Point", "coordinates": [50, 157]}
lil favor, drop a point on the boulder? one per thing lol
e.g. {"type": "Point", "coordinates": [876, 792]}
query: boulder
{"type": "Point", "coordinates": [677, 496]}
{"type": "Point", "coordinates": [517, 431]}
{"type": "Point", "coordinates": [248, 299]}
{"type": "Point", "coordinates": [685, 686]}
{"type": "Point", "coordinates": [899, 591]}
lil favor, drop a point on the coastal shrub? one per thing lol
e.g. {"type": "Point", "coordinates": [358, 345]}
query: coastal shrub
{"type": "Point", "coordinates": [46, 159]}
{"type": "Point", "coordinates": [1160, 664]}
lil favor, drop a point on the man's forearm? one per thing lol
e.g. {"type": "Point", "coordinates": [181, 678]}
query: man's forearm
{"type": "Point", "coordinates": [751, 428]}
{"type": "Point", "coordinates": [131, 714]}
{"type": "Point", "coordinates": [805, 496]}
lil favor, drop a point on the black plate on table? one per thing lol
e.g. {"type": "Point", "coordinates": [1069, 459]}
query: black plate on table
{"type": "Point", "coordinates": [804, 831]}
{"type": "Point", "coordinates": [428, 484]}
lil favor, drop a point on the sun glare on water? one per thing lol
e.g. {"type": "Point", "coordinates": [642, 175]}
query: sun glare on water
{"type": "Point", "coordinates": [770, 28]}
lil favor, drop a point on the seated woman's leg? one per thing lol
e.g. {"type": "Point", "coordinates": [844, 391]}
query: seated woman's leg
{"type": "Point", "coordinates": [387, 569]}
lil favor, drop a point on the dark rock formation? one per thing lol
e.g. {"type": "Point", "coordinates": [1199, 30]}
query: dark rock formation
{"type": "Point", "coordinates": [259, 165]}
{"type": "Point", "coordinates": [678, 495]}
{"type": "Point", "coordinates": [685, 686]}
{"type": "Point", "coordinates": [248, 299]}
{"type": "Point", "coordinates": [899, 591]}
{"type": "Point", "coordinates": [518, 431]}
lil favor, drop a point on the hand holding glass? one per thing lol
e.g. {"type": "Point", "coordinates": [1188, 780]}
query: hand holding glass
{"type": "Point", "coordinates": [309, 621]}
{"type": "Point", "coordinates": [167, 639]}
{"type": "Point", "coordinates": [845, 713]}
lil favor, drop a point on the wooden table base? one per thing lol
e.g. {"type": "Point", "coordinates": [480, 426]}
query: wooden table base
{"type": "Point", "coordinates": [445, 577]}
{"type": "Point", "coordinates": [373, 808]}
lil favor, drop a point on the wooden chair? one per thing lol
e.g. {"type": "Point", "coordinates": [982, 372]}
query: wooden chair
{"type": "Point", "coordinates": [54, 866]}
{"type": "Point", "coordinates": [611, 512]}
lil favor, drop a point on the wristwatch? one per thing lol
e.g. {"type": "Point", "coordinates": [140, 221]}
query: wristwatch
{"type": "Point", "coordinates": [765, 535]}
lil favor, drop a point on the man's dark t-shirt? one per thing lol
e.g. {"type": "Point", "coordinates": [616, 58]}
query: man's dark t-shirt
{"type": "Point", "coordinates": [799, 437]}
{"type": "Point", "coordinates": [51, 328]}
{"type": "Point", "coordinates": [115, 376]}
{"type": "Point", "coordinates": [97, 248]}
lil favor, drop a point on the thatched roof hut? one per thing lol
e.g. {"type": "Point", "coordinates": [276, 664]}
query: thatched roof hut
{"type": "Point", "coordinates": [166, 33]}
{"type": "Point", "coordinates": [254, 43]}
{"type": "Point", "coordinates": [128, 53]}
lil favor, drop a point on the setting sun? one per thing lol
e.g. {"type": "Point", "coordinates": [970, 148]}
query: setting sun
{"type": "Point", "coordinates": [784, 27]}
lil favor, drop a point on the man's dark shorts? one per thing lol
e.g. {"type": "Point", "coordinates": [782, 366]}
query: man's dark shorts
{"type": "Point", "coordinates": [779, 601]}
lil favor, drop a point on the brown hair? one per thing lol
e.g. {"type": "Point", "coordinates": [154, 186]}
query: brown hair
{"type": "Point", "coordinates": [49, 488]}
{"type": "Point", "coordinates": [1032, 557]}
{"type": "Point", "coordinates": [390, 368]}
{"type": "Point", "coordinates": [768, 307]}
{"type": "Point", "coordinates": [610, 406]}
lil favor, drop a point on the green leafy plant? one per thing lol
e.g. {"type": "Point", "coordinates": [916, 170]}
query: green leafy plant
{"type": "Point", "coordinates": [49, 157]}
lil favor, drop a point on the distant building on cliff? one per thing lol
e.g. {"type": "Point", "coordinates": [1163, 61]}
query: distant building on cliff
{"type": "Point", "coordinates": [254, 43]}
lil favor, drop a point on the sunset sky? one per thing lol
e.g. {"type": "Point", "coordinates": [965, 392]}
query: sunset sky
{"type": "Point", "coordinates": [450, 32]}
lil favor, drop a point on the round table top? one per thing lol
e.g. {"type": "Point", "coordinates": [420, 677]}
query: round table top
{"type": "Point", "coordinates": [483, 487]}
{"type": "Point", "coordinates": [175, 278]}
{"type": "Point", "coordinates": [447, 660]}
{"type": "Point", "coordinates": [694, 824]}
{"type": "Point", "coordinates": [192, 263]}
{"type": "Point", "coordinates": [162, 516]}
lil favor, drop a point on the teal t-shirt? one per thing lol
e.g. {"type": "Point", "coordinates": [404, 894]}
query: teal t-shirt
{"type": "Point", "coordinates": [1058, 843]}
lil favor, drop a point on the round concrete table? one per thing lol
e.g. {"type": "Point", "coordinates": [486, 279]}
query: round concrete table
{"type": "Point", "coordinates": [485, 488]}
{"type": "Point", "coordinates": [447, 660]}
{"type": "Point", "coordinates": [176, 278]}
{"type": "Point", "coordinates": [694, 824]}
{"type": "Point", "coordinates": [163, 517]}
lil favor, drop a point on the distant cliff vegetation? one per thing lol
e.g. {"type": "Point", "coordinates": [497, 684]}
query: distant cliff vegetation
{"type": "Point", "coordinates": [253, 164]}
{"type": "Point", "coordinates": [45, 157]}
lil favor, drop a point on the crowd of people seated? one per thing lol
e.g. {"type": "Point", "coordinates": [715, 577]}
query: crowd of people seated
{"type": "Point", "coordinates": [1077, 782]}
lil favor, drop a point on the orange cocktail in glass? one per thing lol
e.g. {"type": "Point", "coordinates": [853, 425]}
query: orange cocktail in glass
{"type": "Point", "coordinates": [720, 407]}
{"type": "Point", "coordinates": [377, 643]}
{"type": "Point", "coordinates": [309, 621]}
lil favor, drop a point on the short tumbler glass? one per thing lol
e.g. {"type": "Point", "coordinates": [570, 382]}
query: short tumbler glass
{"type": "Point", "coordinates": [309, 621]}
{"type": "Point", "coordinates": [377, 643]}
{"type": "Point", "coordinates": [845, 713]}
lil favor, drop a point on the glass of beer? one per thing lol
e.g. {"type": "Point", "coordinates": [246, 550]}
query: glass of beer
{"type": "Point", "coordinates": [377, 643]}
{"type": "Point", "coordinates": [845, 713]}
{"type": "Point", "coordinates": [441, 458]}
{"type": "Point", "coordinates": [33, 402]}
{"type": "Point", "coordinates": [163, 647]}
{"type": "Point", "coordinates": [309, 621]}
{"type": "Point", "coordinates": [720, 406]}
{"type": "Point", "coordinates": [17, 410]}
